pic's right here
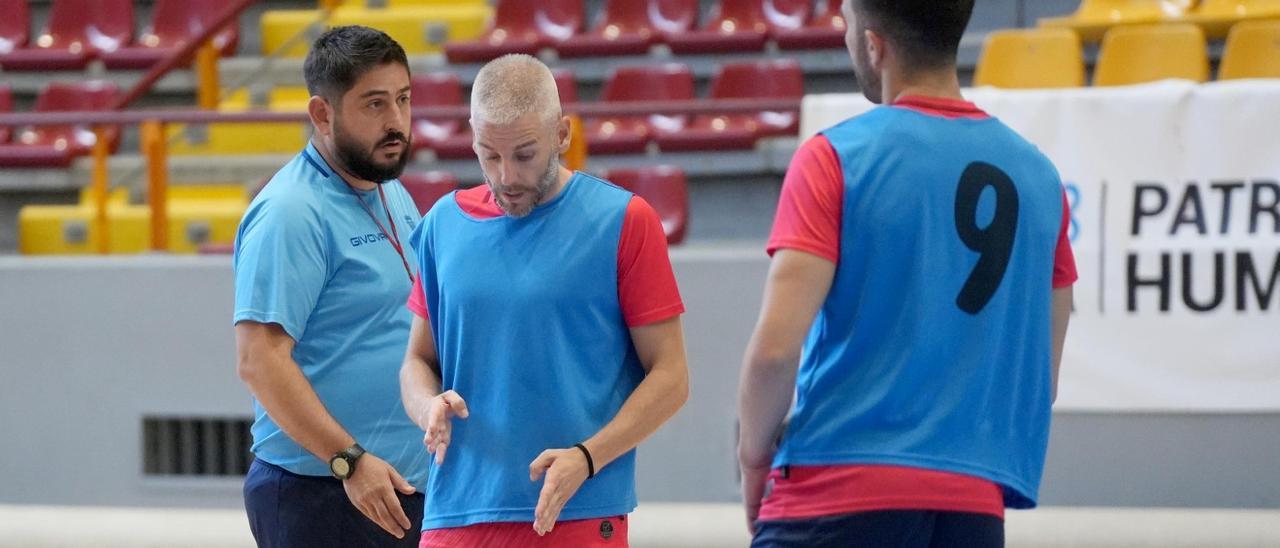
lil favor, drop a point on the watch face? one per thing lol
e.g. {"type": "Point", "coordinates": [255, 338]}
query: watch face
{"type": "Point", "coordinates": [340, 467]}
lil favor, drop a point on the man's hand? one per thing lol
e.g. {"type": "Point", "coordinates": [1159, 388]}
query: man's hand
{"type": "Point", "coordinates": [440, 414]}
{"type": "Point", "coordinates": [753, 484]}
{"type": "Point", "coordinates": [372, 489]}
{"type": "Point", "coordinates": [565, 471]}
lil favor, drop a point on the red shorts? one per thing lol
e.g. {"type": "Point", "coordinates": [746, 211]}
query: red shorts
{"type": "Point", "coordinates": [608, 532]}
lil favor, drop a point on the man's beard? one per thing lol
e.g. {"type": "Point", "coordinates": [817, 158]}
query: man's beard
{"type": "Point", "coordinates": [540, 191]}
{"type": "Point", "coordinates": [360, 163]}
{"type": "Point", "coordinates": [868, 79]}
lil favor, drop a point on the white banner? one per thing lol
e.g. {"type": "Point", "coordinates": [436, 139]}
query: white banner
{"type": "Point", "coordinates": [1175, 191]}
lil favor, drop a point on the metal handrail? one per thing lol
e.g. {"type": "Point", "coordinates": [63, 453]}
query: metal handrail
{"type": "Point", "coordinates": [599, 109]}
{"type": "Point", "coordinates": [174, 59]}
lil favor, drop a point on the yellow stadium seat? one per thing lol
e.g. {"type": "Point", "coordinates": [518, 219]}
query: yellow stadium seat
{"type": "Point", "coordinates": [55, 230]}
{"type": "Point", "coordinates": [1031, 58]}
{"type": "Point", "coordinates": [419, 28]}
{"type": "Point", "coordinates": [1146, 53]}
{"type": "Point", "coordinates": [71, 229]}
{"type": "Point", "coordinates": [193, 223]}
{"type": "Point", "coordinates": [130, 229]}
{"type": "Point", "coordinates": [403, 3]}
{"type": "Point", "coordinates": [118, 195]}
{"type": "Point", "coordinates": [223, 138]}
{"type": "Point", "coordinates": [208, 192]}
{"type": "Point", "coordinates": [289, 99]}
{"type": "Point", "coordinates": [1217, 16]}
{"type": "Point", "coordinates": [1252, 51]}
{"type": "Point", "coordinates": [279, 99]}
{"type": "Point", "coordinates": [1092, 19]}
{"type": "Point", "coordinates": [279, 26]}
{"type": "Point", "coordinates": [237, 100]}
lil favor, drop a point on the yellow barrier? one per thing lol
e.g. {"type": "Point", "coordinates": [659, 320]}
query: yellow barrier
{"type": "Point", "coordinates": [72, 230]}
{"type": "Point", "coordinates": [419, 29]}
{"type": "Point", "coordinates": [374, 4]}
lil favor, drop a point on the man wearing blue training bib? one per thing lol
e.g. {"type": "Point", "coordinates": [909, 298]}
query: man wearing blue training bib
{"type": "Point", "coordinates": [916, 307]}
{"type": "Point", "coordinates": [546, 342]}
{"type": "Point", "coordinates": [321, 278]}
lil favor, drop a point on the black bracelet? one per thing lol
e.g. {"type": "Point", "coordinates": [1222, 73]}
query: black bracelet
{"type": "Point", "coordinates": [591, 465]}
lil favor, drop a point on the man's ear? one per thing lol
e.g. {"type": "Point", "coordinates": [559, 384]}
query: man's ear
{"type": "Point", "coordinates": [321, 114]}
{"type": "Point", "coordinates": [875, 50]}
{"type": "Point", "coordinates": [564, 134]}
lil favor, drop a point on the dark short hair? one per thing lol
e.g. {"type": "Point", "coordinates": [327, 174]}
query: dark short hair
{"type": "Point", "coordinates": [926, 33]}
{"type": "Point", "coordinates": [342, 55]}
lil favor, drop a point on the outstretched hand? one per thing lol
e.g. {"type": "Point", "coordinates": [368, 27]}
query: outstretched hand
{"type": "Point", "coordinates": [565, 470]}
{"type": "Point", "coordinates": [440, 414]}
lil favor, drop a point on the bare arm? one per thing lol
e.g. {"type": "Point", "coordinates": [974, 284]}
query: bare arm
{"type": "Point", "coordinates": [1061, 312]}
{"type": "Point", "coordinates": [797, 285]}
{"type": "Point", "coordinates": [420, 373]}
{"type": "Point", "coordinates": [265, 363]}
{"type": "Point", "coordinates": [665, 388]}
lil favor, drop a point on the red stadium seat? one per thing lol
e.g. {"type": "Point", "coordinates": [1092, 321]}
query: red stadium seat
{"type": "Point", "coordinates": [629, 27]}
{"type": "Point", "coordinates": [426, 188]}
{"type": "Point", "coordinates": [521, 26]}
{"type": "Point", "coordinates": [56, 146]}
{"type": "Point", "coordinates": [78, 31]}
{"type": "Point", "coordinates": [6, 105]}
{"type": "Point", "coordinates": [630, 134]}
{"type": "Point", "coordinates": [742, 25]}
{"type": "Point", "coordinates": [760, 79]}
{"type": "Point", "coordinates": [452, 139]}
{"type": "Point", "coordinates": [825, 30]}
{"type": "Point", "coordinates": [443, 136]}
{"type": "Point", "coordinates": [173, 22]}
{"type": "Point", "coordinates": [566, 85]}
{"type": "Point", "coordinates": [665, 189]}
{"type": "Point", "coordinates": [14, 26]}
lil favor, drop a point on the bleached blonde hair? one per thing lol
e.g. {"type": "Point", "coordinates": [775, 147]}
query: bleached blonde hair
{"type": "Point", "coordinates": [512, 86]}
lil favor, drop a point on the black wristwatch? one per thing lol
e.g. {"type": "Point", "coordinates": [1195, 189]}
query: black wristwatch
{"type": "Point", "coordinates": [343, 463]}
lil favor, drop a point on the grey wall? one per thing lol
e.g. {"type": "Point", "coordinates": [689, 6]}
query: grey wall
{"type": "Point", "coordinates": [88, 346]}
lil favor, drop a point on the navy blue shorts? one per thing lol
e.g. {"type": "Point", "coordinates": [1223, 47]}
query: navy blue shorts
{"type": "Point", "coordinates": [287, 510]}
{"type": "Point", "coordinates": [896, 528]}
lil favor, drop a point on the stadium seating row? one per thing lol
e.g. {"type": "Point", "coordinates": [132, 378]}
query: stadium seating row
{"type": "Point", "coordinates": [632, 134]}
{"type": "Point", "coordinates": [198, 216]}
{"type": "Point", "coordinates": [205, 218]}
{"type": "Point", "coordinates": [56, 146]}
{"type": "Point", "coordinates": [1051, 58]}
{"type": "Point", "coordinates": [1092, 19]}
{"type": "Point", "coordinates": [80, 31]}
{"type": "Point", "coordinates": [469, 32]}
{"type": "Point", "coordinates": [664, 187]}
{"type": "Point", "coordinates": [419, 29]}
{"type": "Point", "coordinates": [451, 139]}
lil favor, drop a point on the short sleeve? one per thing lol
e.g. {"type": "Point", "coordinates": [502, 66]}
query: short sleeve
{"type": "Point", "coordinates": [809, 208]}
{"type": "Point", "coordinates": [418, 299]}
{"type": "Point", "coordinates": [280, 265]}
{"type": "Point", "coordinates": [1064, 260]}
{"type": "Point", "coordinates": [647, 287]}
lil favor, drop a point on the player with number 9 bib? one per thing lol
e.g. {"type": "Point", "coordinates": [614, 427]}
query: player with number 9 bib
{"type": "Point", "coordinates": [921, 279]}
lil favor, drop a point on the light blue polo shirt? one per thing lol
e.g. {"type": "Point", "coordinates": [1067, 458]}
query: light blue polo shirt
{"type": "Point", "coordinates": [308, 257]}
